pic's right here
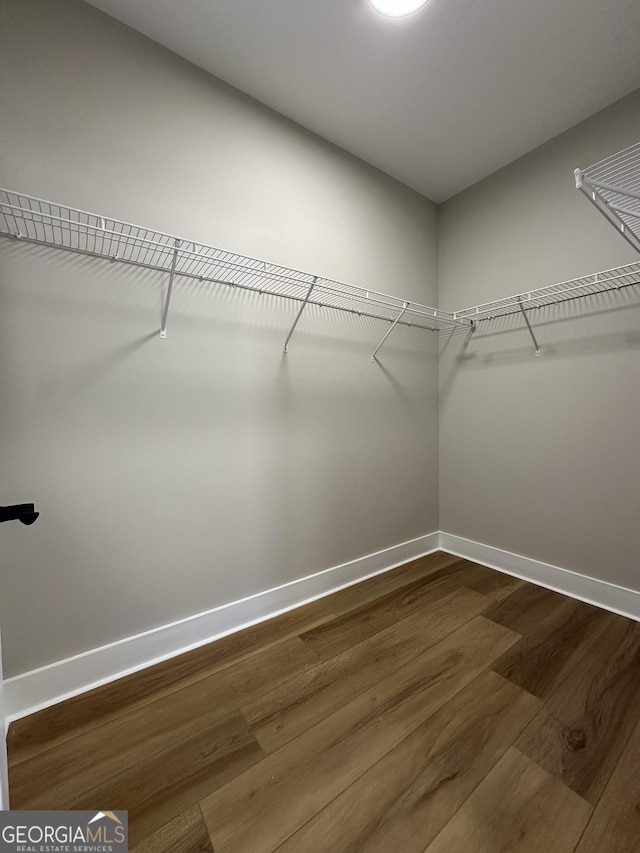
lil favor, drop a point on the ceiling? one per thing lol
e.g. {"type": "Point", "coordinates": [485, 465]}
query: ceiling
{"type": "Point", "coordinates": [438, 99]}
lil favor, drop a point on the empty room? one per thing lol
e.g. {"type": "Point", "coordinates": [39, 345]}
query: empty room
{"type": "Point", "coordinates": [320, 426]}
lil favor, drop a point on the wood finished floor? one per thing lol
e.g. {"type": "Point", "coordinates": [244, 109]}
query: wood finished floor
{"type": "Point", "coordinates": [436, 708]}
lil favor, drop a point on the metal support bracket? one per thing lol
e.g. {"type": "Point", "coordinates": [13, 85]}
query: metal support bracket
{"type": "Point", "coordinates": [299, 314]}
{"type": "Point", "coordinates": [526, 319]}
{"type": "Point", "coordinates": [172, 272]}
{"type": "Point", "coordinates": [390, 329]}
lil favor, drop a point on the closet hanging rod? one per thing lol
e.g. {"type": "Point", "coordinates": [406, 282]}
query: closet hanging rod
{"type": "Point", "coordinates": [36, 220]}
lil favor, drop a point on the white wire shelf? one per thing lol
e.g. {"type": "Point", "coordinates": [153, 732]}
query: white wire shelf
{"type": "Point", "coordinates": [613, 186]}
{"type": "Point", "coordinates": [576, 288]}
{"type": "Point", "coordinates": [36, 220]}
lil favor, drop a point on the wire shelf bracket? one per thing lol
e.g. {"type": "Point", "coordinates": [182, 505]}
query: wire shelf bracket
{"type": "Point", "coordinates": [299, 314]}
{"type": "Point", "coordinates": [613, 187]}
{"type": "Point", "coordinates": [389, 330]}
{"type": "Point", "coordinates": [48, 223]}
{"type": "Point", "coordinates": [526, 319]}
{"type": "Point", "coordinates": [172, 273]}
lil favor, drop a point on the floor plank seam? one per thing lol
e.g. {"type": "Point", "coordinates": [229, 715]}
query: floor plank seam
{"type": "Point", "coordinates": [383, 758]}
{"type": "Point", "coordinates": [164, 694]}
{"type": "Point", "coordinates": [372, 684]}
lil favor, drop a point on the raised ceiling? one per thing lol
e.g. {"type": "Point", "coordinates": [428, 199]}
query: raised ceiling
{"type": "Point", "coordinates": [439, 99]}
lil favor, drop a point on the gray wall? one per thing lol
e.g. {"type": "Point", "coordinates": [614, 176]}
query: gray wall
{"type": "Point", "coordinates": [173, 476]}
{"type": "Point", "coordinates": [541, 456]}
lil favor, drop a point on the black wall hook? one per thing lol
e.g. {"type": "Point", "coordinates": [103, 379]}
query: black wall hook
{"type": "Point", "coordinates": [19, 512]}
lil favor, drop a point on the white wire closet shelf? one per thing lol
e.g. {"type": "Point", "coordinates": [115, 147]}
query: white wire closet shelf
{"type": "Point", "coordinates": [613, 186]}
{"type": "Point", "coordinates": [47, 223]}
{"type": "Point", "coordinates": [35, 220]}
{"type": "Point", "coordinates": [576, 288]}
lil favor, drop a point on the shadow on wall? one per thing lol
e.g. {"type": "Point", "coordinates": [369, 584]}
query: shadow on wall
{"type": "Point", "coordinates": [75, 280]}
{"type": "Point", "coordinates": [565, 330]}
{"type": "Point", "coordinates": [334, 448]}
{"type": "Point", "coordinates": [179, 475]}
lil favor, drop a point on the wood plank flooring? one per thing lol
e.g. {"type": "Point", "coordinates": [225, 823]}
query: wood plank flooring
{"type": "Point", "coordinates": [439, 707]}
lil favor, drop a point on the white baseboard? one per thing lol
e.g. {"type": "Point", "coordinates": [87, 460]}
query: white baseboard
{"type": "Point", "coordinates": [4, 776]}
{"type": "Point", "coordinates": [32, 691]}
{"type": "Point", "coordinates": [617, 599]}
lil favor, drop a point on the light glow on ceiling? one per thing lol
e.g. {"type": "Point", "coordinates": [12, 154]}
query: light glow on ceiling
{"type": "Point", "coordinates": [397, 8]}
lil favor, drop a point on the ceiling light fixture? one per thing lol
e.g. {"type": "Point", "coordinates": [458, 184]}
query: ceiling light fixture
{"type": "Point", "coordinates": [397, 8]}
